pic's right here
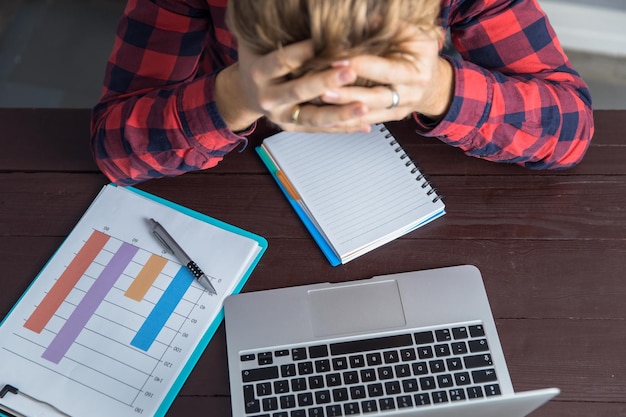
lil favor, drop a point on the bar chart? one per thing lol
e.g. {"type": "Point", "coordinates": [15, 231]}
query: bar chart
{"type": "Point", "coordinates": [119, 315]}
{"type": "Point", "coordinates": [113, 324]}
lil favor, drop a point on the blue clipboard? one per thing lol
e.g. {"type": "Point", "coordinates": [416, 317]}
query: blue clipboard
{"type": "Point", "coordinates": [208, 335]}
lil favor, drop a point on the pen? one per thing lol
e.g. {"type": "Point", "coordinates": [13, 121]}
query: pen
{"type": "Point", "coordinates": [174, 248]}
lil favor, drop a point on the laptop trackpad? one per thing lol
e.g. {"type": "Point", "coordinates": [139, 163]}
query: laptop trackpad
{"type": "Point", "coordinates": [356, 308]}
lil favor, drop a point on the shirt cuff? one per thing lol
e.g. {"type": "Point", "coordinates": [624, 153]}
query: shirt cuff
{"type": "Point", "coordinates": [469, 108]}
{"type": "Point", "coordinates": [201, 119]}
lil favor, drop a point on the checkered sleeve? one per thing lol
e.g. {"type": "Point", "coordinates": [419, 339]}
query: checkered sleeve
{"type": "Point", "coordinates": [157, 115]}
{"type": "Point", "coordinates": [517, 98]}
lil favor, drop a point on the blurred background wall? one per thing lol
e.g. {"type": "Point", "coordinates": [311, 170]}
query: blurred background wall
{"type": "Point", "coordinates": [53, 52]}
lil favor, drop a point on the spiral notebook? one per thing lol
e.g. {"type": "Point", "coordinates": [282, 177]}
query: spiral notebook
{"type": "Point", "coordinates": [354, 191]}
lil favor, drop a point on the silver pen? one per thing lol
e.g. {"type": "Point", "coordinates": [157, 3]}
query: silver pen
{"type": "Point", "coordinates": [174, 248]}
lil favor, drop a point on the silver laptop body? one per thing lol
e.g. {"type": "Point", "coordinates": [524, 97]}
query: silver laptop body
{"type": "Point", "coordinates": [412, 344]}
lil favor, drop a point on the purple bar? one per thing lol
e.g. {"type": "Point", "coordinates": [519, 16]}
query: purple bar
{"type": "Point", "coordinates": [89, 304]}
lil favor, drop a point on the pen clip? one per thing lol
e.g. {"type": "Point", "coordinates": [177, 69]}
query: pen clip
{"type": "Point", "coordinates": [162, 241]}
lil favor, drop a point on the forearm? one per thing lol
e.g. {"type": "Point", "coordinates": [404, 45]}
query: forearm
{"type": "Point", "coordinates": [540, 123]}
{"type": "Point", "coordinates": [516, 97]}
{"type": "Point", "coordinates": [163, 133]}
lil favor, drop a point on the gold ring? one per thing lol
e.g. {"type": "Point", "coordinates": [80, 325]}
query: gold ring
{"type": "Point", "coordinates": [395, 97]}
{"type": "Point", "coordinates": [295, 114]}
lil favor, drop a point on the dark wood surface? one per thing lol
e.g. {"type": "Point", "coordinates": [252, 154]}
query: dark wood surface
{"type": "Point", "coordinates": [551, 246]}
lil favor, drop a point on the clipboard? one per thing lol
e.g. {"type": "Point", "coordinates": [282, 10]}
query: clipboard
{"type": "Point", "coordinates": [111, 269]}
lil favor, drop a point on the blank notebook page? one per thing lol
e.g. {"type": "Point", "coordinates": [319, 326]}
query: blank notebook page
{"type": "Point", "coordinates": [358, 187]}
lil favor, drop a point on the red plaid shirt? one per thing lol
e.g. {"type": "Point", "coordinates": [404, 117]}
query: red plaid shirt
{"type": "Point", "coordinates": [516, 99]}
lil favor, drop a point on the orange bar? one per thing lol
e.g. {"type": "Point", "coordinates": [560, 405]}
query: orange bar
{"type": "Point", "coordinates": [144, 280]}
{"type": "Point", "coordinates": [66, 282]}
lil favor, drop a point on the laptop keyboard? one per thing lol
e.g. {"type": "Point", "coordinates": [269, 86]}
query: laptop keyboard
{"type": "Point", "coordinates": [426, 368]}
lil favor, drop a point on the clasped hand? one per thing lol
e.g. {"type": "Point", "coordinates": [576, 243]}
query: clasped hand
{"type": "Point", "coordinates": [422, 79]}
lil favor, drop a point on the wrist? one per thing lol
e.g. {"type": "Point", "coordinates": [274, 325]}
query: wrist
{"type": "Point", "coordinates": [442, 93]}
{"type": "Point", "coordinates": [228, 100]}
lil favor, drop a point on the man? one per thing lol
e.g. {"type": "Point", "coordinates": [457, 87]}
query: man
{"type": "Point", "coordinates": [179, 94]}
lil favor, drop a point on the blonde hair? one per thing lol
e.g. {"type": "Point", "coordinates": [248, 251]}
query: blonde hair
{"type": "Point", "coordinates": [338, 28]}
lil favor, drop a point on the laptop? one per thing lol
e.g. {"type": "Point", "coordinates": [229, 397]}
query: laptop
{"type": "Point", "coordinates": [420, 344]}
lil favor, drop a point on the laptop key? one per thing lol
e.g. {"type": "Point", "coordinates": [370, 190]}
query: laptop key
{"type": "Point", "coordinates": [368, 375]}
{"type": "Point", "coordinates": [477, 331]}
{"type": "Point", "coordinates": [265, 358]}
{"type": "Point", "coordinates": [259, 374]}
{"type": "Point", "coordinates": [375, 390]}
{"type": "Point", "coordinates": [386, 404]}
{"type": "Point", "coordinates": [369, 406]}
{"type": "Point", "coordinates": [474, 392]}
{"type": "Point", "coordinates": [288, 370]}
{"type": "Point", "coordinates": [410, 385]}
{"type": "Point", "coordinates": [332, 380]}
{"type": "Point", "coordinates": [305, 399]}
{"type": "Point", "coordinates": [439, 397]}
{"type": "Point", "coordinates": [263, 389]}
{"type": "Point", "coordinates": [478, 345]}
{"type": "Point", "coordinates": [462, 378]}
{"type": "Point", "coordinates": [253, 406]}
{"type": "Point", "coordinates": [443, 335]}
{"type": "Point", "coordinates": [425, 352]}
{"type": "Point", "coordinates": [478, 361]}
{"type": "Point", "coordinates": [408, 354]}
{"type": "Point", "coordinates": [459, 333]}
{"type": "Point", "coordinates": [316, 382]}
{"type": "Point", "coordinates": [457, 394]}
{"type": "Point", "coordinates": [334, 411]}
{"type": "Point", "coordinates": [357, 392]}
{"type": "Point", "coordinates": [484, 375]}
{"type": "Point", "coordinates": [454, 364]}
{"type": "Point", "coordinates": [340, 394]}
{"type": "Point", "coordinates": [491, 390]}
{"type": "Point", "coordinates": [356, 361]}
{"type": "Point", "coordinates": [423, 338]}
{"type": "Point", "coordinates": [391, 356]}
{"type": "Point", "coordinates": [270, 404]}
{"type": "Point", "coordinates": [421, 399]}
{"type": "Point", "coordinates": [319, 351]}
{"type": "Point", "coordinates": [351, 408]}
{"type": "Point", "coordinates": [322, 365]}
{"type": "Point", "coordinates": [404, 401]}
{"type": "Point", "coordinates": [378, 343]}
{"type": "Point", "coordinates": [316, 412]}
{"type": "Point", "coordinates": [298, 354]}
{"type": "Point", "coordinates": [373, 359]}
{"type": "Point", "coordinates": [340, 363]}
{"type": "Point", "coordinates": [298, 384]}
{"type": "Point", "coordinates": [281, 386]}
{"type": "Point", "coordinates": [305, 368]}
{"type": "Point", "coordinates": [287, 401]}
{"type": "Point", "coordinates": [459, 348]}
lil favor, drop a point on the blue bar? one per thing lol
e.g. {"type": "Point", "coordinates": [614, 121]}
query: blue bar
{"type": "Point", "coordinates": [162, 310]}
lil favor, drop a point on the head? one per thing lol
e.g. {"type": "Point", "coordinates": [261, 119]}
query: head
{"type": "Point", "coordinates": [338, 28]}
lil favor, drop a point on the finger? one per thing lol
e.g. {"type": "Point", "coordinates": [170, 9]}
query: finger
{"type": "Point", "coordinates": [311, 116]}
{"type": "Point", "coordinates": [310, 86]}
{"type": "Point", "coordinates": [377, 97]}
{"type": "Point", "coordinates": [284, 60]}
{"type": "Point", "coordinates": [384, 70]}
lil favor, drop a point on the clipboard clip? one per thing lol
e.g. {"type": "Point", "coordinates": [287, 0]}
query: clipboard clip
{"type": "Point", "coordinates": [13, 390]}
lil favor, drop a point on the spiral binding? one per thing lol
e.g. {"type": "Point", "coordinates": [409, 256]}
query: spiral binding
{"type": "Point", "coordinates": [426, 182]}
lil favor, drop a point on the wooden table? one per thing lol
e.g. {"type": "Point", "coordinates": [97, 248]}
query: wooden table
{"type": "Point", "coordinates": [551, 246]}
